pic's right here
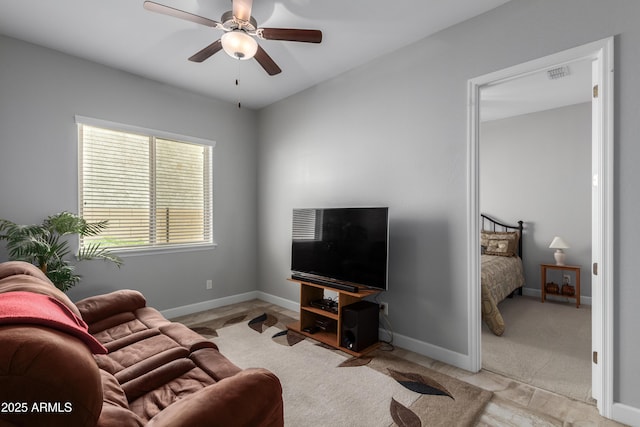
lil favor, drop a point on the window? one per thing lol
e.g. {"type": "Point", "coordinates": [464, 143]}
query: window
{"type": "Point", "coordinates": [155, 189]}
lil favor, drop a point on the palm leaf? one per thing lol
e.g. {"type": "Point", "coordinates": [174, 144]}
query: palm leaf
{"type": "Point", "coordinates": [95, 251]}
{"type": "Point", "coordinates": [94, 228]}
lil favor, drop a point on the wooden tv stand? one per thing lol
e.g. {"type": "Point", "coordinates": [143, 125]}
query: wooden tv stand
{"type": "Point", "coordinates": [308, 314]}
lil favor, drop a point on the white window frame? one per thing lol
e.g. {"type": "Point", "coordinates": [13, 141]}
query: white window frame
{"type": "Point", "coordinates": [121, 127]}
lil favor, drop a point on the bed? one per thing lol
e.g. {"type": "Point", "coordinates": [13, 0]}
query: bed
{"type": "Point", "coordinates": [502, 273]}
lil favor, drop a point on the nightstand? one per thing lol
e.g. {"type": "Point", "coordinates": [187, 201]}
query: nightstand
{"type": "Point", "coordinates": [543, 274]}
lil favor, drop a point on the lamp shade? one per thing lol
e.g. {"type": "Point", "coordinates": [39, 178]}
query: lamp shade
{"type": "Point", "coordinates": [558, 243]}
{"type": "Point", "coordinates": [239, 45]}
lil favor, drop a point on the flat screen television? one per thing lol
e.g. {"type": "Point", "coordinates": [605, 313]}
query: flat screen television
{"type": "Point", "coordinates": [342, 248]}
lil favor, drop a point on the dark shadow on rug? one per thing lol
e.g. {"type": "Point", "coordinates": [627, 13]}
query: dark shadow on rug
{"type": "Point", "coordinates": [258, 319]}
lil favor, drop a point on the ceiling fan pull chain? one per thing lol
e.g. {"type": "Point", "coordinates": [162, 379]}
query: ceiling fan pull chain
{"type": "Point", "coordinates": [238, 85]}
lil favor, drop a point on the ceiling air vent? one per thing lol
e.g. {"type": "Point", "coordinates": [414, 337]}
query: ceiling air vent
{"type": "Point", "coordinates": [558, 72]}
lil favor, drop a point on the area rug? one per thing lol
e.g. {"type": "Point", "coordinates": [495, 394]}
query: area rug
{"type": "Point", "coordinates": [323, 386]}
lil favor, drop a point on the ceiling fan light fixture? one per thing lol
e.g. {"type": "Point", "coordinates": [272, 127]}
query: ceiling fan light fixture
{"type": "Point", "coordinates": [239, 45]}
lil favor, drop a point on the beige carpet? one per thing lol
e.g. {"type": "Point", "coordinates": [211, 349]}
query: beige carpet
{"type": "Point", "coordinates": [547, 345]}
{"type": "Point", "coordinates": [326, 387]}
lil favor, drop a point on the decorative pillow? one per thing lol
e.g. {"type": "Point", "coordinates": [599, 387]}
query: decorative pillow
{"type": "Point", "coordinates": [501, 243]}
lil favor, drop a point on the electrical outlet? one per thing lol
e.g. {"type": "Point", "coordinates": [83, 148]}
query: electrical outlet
{"type": "Point", "coordinates": [566, 279]}
{"type": "Point", "coordinates": [209, 284]}
{"type": "Point", "coordinates": [384, 307]}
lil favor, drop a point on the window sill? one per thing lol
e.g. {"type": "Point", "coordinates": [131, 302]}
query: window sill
{"type": "Point", "coordinates": [125, 253]}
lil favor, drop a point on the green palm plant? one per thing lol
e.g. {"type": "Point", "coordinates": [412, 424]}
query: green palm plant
{"type": "Point", "coordinates": [47, 245]}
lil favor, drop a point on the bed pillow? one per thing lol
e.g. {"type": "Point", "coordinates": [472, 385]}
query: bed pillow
{"type": "Point", "coordinates": [501, 243]}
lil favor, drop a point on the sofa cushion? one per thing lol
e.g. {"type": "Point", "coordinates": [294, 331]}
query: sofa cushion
{"type": "Point", "coordinates": [117, 338]}
{"type": "Point", "coordinates": [214, 363]}
{"type": "Point", "coordinates": [158, 379]}
{"type": "Point", "coordinates": [112, 322]}
{"type": "Point", "coordinates": [243, 400]}
{"type": "Point", "coordinates": [172, 382]}
{"type": "Point", "coordinates": [100, 307]}
{"type": "Point", "coordinates": [135, 352]}
{"type": "Point", "coordinates": [151, 363]}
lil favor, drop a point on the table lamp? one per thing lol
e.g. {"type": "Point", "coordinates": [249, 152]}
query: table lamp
{"type": "Point", "coordinates": [558, 244]}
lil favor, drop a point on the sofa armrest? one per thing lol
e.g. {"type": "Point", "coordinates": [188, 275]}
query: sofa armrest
{"type": "Point", "coordinates": [40, 365]}
{"type": "Point", "coordinates": [96, 308]}
{"type": "Point", "coordinates": [115, 408]}
{"type": "Point", "coordinates": [251, 398]}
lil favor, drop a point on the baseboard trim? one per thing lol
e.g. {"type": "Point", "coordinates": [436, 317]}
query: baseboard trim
{"type": "Point", "coordinates": [538, 294]}
{"type": "Point", "coordinates": [184, 310]}
{"type": "Point", "coordinates": [208, 305]}
{"type": "Point", "coordinates": [440, 354]}
{"type": "Point", "coordinates": [281, 302]}
{"type": "Point", "coordinates": [626, 414]}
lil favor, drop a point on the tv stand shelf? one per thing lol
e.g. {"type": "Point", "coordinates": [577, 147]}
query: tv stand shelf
{"type": "Point", "coordinates": [308, 314]}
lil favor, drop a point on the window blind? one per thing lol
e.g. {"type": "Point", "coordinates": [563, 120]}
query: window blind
{"type": "Point", "coordinates": [154, 192]}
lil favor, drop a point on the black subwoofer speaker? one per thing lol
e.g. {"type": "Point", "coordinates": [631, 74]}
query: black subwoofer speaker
{"type": "Point", "coordinates": [359, 325]}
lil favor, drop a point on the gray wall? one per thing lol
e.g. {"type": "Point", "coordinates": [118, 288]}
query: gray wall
{"type": "Point", "coordinates": [394, 132]}
{"type": "Point", "coordinates": [40, 92]}
{"type": "Point", "coordinates": [537, 168]}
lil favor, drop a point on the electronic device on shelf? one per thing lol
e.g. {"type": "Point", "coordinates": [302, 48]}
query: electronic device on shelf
{"type": "Point", "coordinates": [326, 324]}
{"type": "Point", "coordinates": [342, 248]}
{"type": "Point", "coordinates": [325, 304]}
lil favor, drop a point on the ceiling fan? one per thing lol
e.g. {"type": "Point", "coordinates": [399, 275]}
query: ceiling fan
{"type": "Point", "coordinates": [240, 29]}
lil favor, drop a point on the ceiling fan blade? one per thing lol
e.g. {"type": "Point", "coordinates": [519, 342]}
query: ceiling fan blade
{"type": "Point", "coordinates": [177, 13]}
{"type": "Point", "coordinates": [207, 52]}
{"type": "Point", "coordinates": [267, 63]}
{"type": "Point", "coordinates": [290, 34]}
{"type": "Point", "coordinates": [242, 9]}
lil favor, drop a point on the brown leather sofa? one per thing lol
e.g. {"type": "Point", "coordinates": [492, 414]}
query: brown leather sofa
{"type": "Point", "coordinates": [110, 360]}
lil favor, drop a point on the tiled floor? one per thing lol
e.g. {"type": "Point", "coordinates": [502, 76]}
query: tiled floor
{"type": "Point", "coordinates": [513, 404]}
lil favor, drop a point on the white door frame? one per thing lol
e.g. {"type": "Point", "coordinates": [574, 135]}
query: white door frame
{"type": "Point", "coordinates": [601, 52]}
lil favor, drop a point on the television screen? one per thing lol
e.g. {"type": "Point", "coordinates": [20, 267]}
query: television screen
{"type": "Point", "coordinates": [348, 245]}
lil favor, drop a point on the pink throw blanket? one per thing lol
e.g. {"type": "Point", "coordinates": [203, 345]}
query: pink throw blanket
{"type": "Point", "coordinates": [37, 309]}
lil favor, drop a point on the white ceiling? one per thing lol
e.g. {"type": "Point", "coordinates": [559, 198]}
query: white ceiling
{"type": "Point", "coordinates": [123, 35]}
{"type": "Point", "coordinates": [536, 92]}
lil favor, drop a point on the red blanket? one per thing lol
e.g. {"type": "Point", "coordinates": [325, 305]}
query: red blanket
{"type": "Point", "coordinates": [37, 309]}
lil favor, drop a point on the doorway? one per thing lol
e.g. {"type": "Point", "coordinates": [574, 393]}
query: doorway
{"type": "Point", "coordinates": [601, 55]}
{"type": "Point", "coordinates": [535, 166]}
